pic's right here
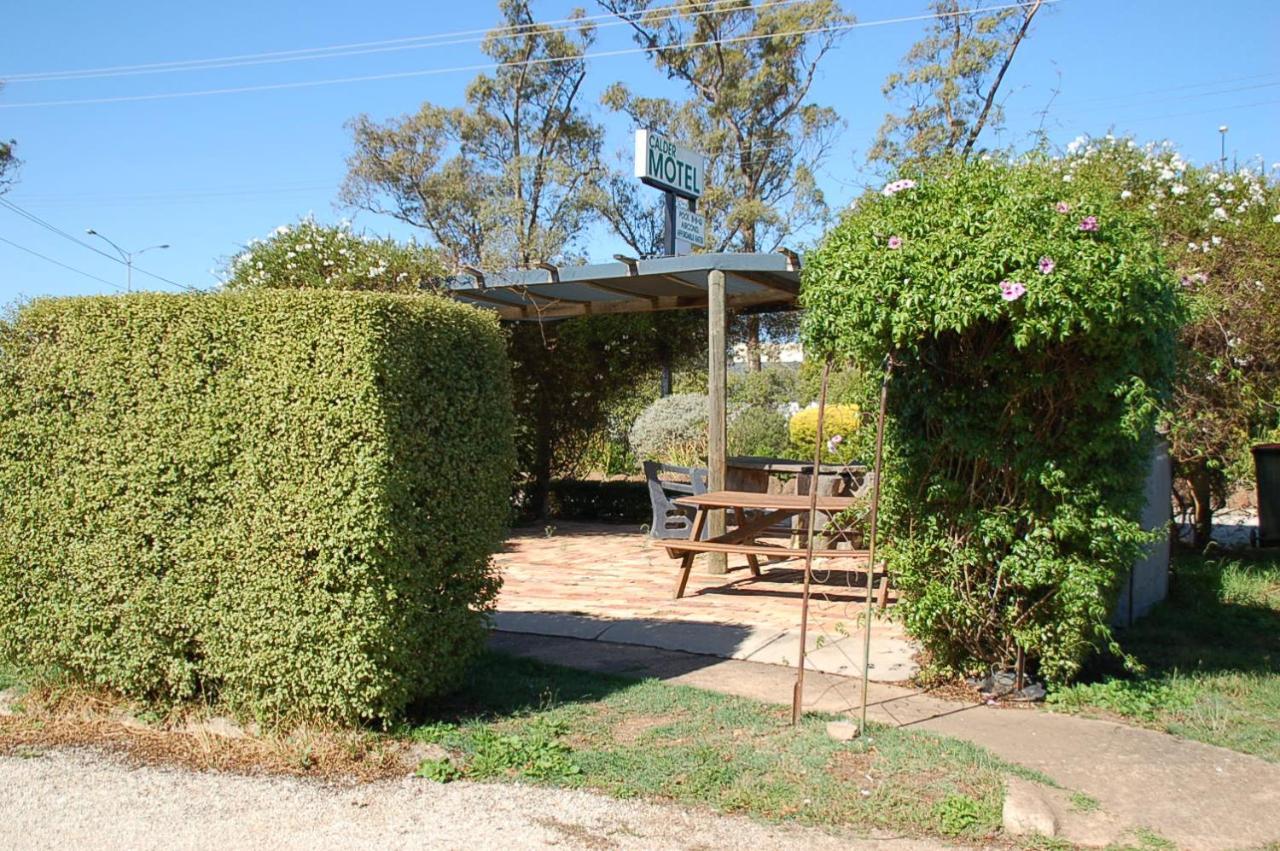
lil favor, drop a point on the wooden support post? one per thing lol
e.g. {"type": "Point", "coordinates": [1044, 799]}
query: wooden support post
{"type": "Point", "coordinates": [716, 395]}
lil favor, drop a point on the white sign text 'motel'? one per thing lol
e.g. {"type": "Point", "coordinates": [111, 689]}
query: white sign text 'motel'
{"type": "Point", "coordinates": [666, 165]}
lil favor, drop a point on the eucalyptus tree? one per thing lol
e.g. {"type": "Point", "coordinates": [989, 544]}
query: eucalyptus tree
{"type": "Point", "coordinates": [511, 177]}
{"type": "Point", "coordinates": [947, 87]}
{"type": "Point", "coordinates": [746, 71]}
{"type": "Point", "coordinates": [8, 162]}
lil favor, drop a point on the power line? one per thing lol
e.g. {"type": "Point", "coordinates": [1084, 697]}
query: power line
{"type": "Point", "coordinates": [1090, 107]}
{"type": "Point", "coordinates": [1183, 87]}
{"type": "Point", "coordinates": [359, 48]}
{"type": "Point", "coordinates": [490, 66]}
{"type": "Point", "coordinates": [60, 263]}
{"type": "Point", "coordinates": [32, 217]}
{"type": "Point", "coordinates": [176, 195]}
{"type": "Point", "coordinates": [1211, 111]}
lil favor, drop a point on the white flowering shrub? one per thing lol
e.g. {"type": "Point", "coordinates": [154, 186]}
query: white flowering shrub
{"type": "Point", "coordinates": [1220, 234]}
{"type": "Point", "coordinates": [672, 430]}
{"type": "Point", "coordinates": [309, 255]}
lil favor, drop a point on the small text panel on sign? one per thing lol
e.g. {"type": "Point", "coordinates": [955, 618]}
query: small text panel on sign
{"type": "Point", "coordinates": [690, 226]}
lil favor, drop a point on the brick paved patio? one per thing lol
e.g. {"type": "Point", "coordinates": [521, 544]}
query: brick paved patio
{"type": "Point", "coordinates": [607, 582]}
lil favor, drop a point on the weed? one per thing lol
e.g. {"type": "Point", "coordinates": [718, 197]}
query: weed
{"type": "Point", "coordinates": [957, 814]}
{"type": "Point", "coordinates": [1082, 803]}
{"type": "Point", "coordinates": [1149, 839]}
{"type": "Point", "coordinates": [439, 770]}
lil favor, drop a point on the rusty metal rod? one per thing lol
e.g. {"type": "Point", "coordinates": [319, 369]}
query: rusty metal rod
{"type": "Point", "coordinates": [877, 467]}
{"type": "Point", "coordinates": [797, 695]}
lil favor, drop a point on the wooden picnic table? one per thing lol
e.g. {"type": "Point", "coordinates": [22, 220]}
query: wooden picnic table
{"type": "Point", "coordinates": [770, 509]}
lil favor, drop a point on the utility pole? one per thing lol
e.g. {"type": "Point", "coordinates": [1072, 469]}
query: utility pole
{"type": "Point", "coordinates": [126, 257]}
{"type": "Point", "coordinates": [1222, 156]}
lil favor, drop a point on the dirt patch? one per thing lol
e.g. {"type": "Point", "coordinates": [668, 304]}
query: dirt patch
{"type": "Point", "coordinates": [853, 767]}
{"type": "Point", "coordinates": [579, 836]}
{"type": "Point", "coordinates": [62, 719]}
{"type": "Point", "coordinates": [631, 729]}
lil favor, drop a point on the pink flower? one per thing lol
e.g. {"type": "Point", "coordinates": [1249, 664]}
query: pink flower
{"type": "Point", "coordinates": [895, 242]}
{"type": "Point", "coordinates": [897, 186]}
{"type": "Point", "coordinates": [1063, 207]}
{"type": "Point", "coordinates": [1011, 290]}
{"type": "Point", "coordinates": [1046, 265]}
{"type": "Point", "coordinates": [834, 442]}
{"type": "Point", "coordinates": [1089, 223]}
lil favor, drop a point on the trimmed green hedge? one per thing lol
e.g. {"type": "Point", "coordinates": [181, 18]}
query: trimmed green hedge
{"type": "Point", "coordinates": [285, 501]}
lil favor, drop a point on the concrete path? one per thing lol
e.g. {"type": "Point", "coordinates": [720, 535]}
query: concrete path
{"type": "Point", "coordinates": [66, 799]}
{"type": "Point", "coordinates": [892, 657]}
{"type": "Point", "coordinates": [1197, 796]}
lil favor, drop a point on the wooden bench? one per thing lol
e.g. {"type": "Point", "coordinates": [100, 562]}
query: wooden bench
{"type": "Point", "coordinates": [772, 509]}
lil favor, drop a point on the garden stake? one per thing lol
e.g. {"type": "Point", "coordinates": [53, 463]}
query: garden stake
{"type": "Point", "coordinates": [797, 696]}
{"type": "Point", "coordinates": [875, 523]}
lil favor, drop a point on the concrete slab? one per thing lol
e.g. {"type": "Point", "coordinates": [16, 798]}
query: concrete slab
{"type": "Point", "coordinates": [708, 639]}
{"type": "Point", "coordinates": [891, 658]}
{"type": "Point", "coordinates": [550, 623]}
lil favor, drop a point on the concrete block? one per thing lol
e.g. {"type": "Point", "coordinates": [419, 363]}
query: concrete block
{"type": "Point", "coordinates": [1027, 810]}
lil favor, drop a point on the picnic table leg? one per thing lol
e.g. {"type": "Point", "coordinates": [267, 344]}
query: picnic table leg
{"type": "Point", "coordinates": [686, 561]}
{"type": "Point", "coordinates": [752, 561]}
{"type": "Point", "coordinates": [884, 590]}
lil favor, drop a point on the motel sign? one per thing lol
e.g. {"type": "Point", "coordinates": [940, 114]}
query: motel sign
{"type": "Point", "coordinates": [665, 165]}
{"type": "Point", "coordinates": [677, 171]}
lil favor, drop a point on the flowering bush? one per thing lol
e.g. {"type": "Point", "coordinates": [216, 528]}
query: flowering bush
{"type": "Point", "coordinates": [1222, 241]}
{"type": "Point", "coordinates": [1030, 321]}
{"type": "Point", "coordinates": [315, 256]}
{"type": "Point", "coordinates": [672, 430]}
{"type": "Point", "coordinates": [839, 426]}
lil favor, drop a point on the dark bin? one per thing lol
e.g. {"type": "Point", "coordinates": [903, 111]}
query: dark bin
{"type": "Point", "coordinates": [1266, 465]}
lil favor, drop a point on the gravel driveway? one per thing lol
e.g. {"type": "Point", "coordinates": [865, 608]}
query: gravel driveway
{"type": "Point", "coordinates": [83, 799]}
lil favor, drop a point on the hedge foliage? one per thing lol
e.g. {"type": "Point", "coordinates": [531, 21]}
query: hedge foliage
{"type": "Point", "coordinates": [283, 501]}
{"type": "Point", "coordinates": [1031, 320]}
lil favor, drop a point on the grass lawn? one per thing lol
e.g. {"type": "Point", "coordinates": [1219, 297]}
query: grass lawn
{"type": "Point", "coordinates": [1212, 657]}
{"type": "Point", "coordinates": [518, 719]}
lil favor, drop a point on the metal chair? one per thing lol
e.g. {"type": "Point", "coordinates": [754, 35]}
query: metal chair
{"type": "Point", "coordinates": [671, 520]}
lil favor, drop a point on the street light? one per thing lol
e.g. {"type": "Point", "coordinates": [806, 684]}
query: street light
{"type": "Point", "coordinates": [126, 256]}
{"type": "Point", "coordinates": [1222, 135]}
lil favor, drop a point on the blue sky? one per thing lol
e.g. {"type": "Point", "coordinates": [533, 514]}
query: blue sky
{"type": "Point", "coordinates": [207, 173]}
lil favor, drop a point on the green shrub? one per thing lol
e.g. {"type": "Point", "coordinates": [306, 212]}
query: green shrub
{"type": "Point", "coordinates": [758, 430]}
{"type": "Point", "coordinates": [285, 501]}
{"type": "Point", "coordinates": [774, 386]}
{"type": "Point", "coordinates": [839, 429]}
{"type": "Point", "coordinates": [1031, 320]}
{"type": "Point", "coordinates": [672, 430]}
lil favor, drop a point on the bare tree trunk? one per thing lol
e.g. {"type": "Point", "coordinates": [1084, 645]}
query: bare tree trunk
{"type": "Point", "coordinates": [1202, 494]}
{"type": "Point", "coordinates": [753, 343]}
{"type": "Point", "coordinates": [995, 86]}
{"type": "Point", "coordinates": [539, 502]}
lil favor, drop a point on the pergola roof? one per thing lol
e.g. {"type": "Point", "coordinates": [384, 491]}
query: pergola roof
{"type": "Point", "coordinates": [632, 286]}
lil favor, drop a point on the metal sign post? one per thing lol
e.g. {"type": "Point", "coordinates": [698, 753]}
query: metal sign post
{"type": "Point", "coordinates": [679, 173]}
